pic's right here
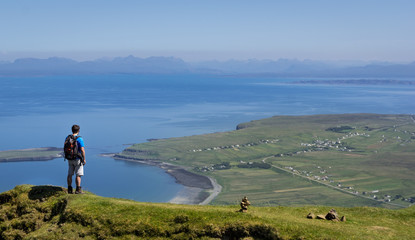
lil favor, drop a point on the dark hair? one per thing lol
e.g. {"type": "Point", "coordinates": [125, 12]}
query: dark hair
{"type": "Point", "coordinates": [75, 128]}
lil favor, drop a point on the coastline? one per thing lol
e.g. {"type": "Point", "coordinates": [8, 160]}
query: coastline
{"type": "Point", "coordinates": [198, 189]}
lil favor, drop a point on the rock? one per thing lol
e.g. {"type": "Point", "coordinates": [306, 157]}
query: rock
{"type": "Point", "coordinates": [332, 215]}
{"type": "Point", "coordinates": [311, 216]}
{"type": "Point", "coordinates": [321, 217]}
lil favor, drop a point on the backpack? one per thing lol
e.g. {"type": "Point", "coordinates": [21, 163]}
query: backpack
{"type": "Point", "coordinates": [70, 148]}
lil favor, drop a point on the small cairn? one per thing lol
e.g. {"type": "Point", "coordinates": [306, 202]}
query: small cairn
{"type": "Point", "coordinates": [244, 204]}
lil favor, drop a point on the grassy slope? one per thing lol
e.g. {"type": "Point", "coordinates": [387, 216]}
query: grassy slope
{"type": "Point", "coordinates": [381, 159]}
{"type": "Point", "coordinates": [47, 212]}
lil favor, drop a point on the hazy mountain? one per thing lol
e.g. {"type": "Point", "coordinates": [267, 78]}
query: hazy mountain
{"type": "Point", "coordinates": [379, 70]}
{"type": "Point", "coordinates": [263, 66]}
{"type": "Point", "coordinates": [130, 64]}
{"type": "Point", "coordinates": [171, 65]}
{"type": "Point", "coordinates": [133, 64]}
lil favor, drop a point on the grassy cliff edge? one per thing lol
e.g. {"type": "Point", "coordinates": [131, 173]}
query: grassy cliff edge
{"type": "Point", "coordinates": [48, 212]}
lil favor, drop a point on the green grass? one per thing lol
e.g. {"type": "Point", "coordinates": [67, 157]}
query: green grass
{"type": "Point", "coordinates": [47, 212]}
{"type": "Point", "coordinates": [380, 157]}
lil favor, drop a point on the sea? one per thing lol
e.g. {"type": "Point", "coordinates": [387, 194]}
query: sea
{"type": "Point", "coordinates": [115, 111]}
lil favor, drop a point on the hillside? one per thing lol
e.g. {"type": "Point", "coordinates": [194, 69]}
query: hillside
{"type": "Point", "coordinates": [337, 160]}
{"type": "Point", "coordinates": [47, 212]}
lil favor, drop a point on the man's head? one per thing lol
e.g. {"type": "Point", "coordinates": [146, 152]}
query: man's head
{"type": "Point", "coordinates": [75, 129]}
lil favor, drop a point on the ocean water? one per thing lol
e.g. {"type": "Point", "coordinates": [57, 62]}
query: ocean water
{"type": "Point", "coordinates": [116, 110]}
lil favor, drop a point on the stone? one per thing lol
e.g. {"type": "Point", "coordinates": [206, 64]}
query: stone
{"type": "Point", "coordinates": [332, 215]}
{"type": "Point", "coordinates": [311, 216]}
{"type": "Point", "coordinates": [321, 217]}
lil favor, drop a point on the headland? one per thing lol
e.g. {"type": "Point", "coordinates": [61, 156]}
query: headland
{"type": "Point", "coordinates": [31, 154]}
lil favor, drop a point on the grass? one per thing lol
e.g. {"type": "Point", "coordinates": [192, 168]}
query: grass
{"type": "Point", "coordinates": [47, 212]}
{"type": "Point", "coordinates": [378, 155]}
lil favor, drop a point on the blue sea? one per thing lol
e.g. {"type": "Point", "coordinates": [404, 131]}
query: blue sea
{"type": "Point", "coordinates": [117, 110]}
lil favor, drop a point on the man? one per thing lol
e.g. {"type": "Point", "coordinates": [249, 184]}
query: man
{"type": "Point", "coordinates": [77, 165]}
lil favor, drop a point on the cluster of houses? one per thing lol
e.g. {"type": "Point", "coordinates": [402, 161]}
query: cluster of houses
{"type": "Point", "coordinates": [321, 145]}
{"type": "Point", "coordinates": [350, 135]}
{"type": "Point", "coordinates": [236, 146]}
{"type": "Point", "coordinates": [310, 174]}
{"type": "Point", "coordinates": [213, 167]}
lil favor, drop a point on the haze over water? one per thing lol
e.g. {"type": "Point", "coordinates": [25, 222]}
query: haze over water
{"type": "Point", "coordinates": [114, 110]}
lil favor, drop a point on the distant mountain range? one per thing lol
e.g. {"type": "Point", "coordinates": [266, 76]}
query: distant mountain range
{"type": "Point", "coordinates": [172, 65]}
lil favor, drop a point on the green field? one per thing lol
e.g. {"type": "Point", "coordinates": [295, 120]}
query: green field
{"type": "Point", "coordinates": [337, 160]}
{"type": "Point", "coordinates": [48, 212]}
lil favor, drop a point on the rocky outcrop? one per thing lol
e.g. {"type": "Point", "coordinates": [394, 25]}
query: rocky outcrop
{"type": "Point", "coordinates": [331, 216]}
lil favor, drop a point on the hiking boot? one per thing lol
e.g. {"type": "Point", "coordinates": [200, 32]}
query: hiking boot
{"type": "Point", "coordinates": [70, 189]}
{"type": "Point", "coordinates": [79, 190]}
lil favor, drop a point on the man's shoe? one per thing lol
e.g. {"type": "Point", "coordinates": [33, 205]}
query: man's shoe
{"type": "Point", "coordinates": [78, 190]}
{"type": "Point", "coordinates": [70, 189]}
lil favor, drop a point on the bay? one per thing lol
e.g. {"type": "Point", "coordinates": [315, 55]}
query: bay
{"type": "Point", "coordinates": [115, 110]}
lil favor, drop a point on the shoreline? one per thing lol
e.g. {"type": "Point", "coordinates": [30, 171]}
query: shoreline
{"type": "Point", "coordinates": [198, 189]}
{"type": "Point", "coordinates": [192, 195]}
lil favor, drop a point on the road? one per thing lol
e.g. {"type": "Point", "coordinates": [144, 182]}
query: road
{"type": "Point", "coordinates": [329, 185]}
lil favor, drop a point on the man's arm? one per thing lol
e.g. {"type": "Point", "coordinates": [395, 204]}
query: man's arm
{"type": "Point", "coordinates": [81, 148]}
{"type": "Point", "coordinates": [83, 155]}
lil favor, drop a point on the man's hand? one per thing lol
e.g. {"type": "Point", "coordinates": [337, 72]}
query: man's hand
{"type": "Point", "coordinates": [84, 162]}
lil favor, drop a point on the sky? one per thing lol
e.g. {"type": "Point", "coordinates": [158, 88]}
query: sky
{"type": "Point", "coordinates": [364, 30]}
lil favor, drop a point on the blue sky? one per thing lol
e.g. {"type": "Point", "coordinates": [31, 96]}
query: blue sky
{"type": "Point", "coordinates": [366, 30]}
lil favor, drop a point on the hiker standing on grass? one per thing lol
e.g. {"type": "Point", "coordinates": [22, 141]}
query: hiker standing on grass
{"type": "Point", "coordinates": [74, 149]}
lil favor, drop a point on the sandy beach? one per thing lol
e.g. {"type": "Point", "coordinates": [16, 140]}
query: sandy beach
{"type": "Point", "coordinates": [198, 189]}
{"type": "Point", "coordinates": [192, 195]}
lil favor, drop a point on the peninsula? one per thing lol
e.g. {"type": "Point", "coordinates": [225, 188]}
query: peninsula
{"type": "Point", "coordinates": [337, 160]}
{"type": "Point", "coordinates": [31, 154]}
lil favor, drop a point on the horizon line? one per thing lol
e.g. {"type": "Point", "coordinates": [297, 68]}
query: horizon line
{"type": "Point", "coordinates": [111, 58]}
